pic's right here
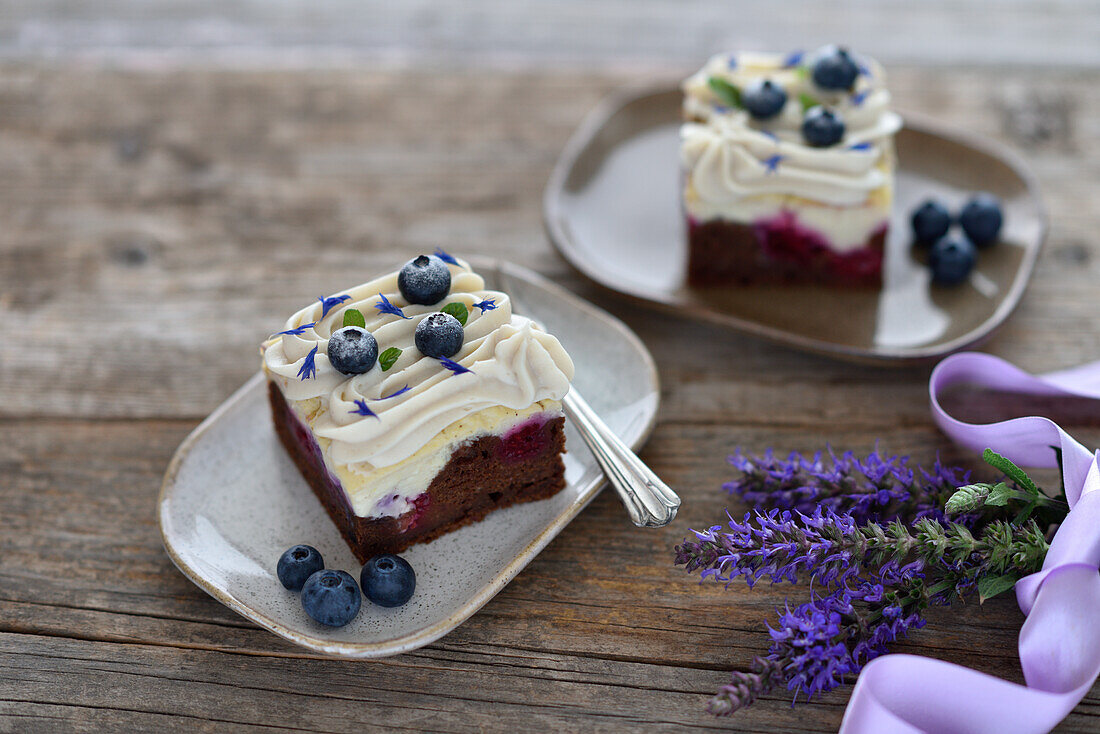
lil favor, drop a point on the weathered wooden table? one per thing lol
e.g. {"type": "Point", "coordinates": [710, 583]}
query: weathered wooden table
{"type": "Point", "coordinates": [155, 226]}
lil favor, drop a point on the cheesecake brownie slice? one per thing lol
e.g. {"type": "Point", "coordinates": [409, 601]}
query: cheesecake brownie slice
{"type": "Point", "coordinates": [788, 169]}
{"type": "Point", "coordinates": [417, 403]}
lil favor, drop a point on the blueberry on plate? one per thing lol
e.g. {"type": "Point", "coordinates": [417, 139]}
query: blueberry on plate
{"type": "Point", "coordinates": [981, 219]}
{"type": "Point", "coordinates": [834, 68]}
{"type": "Point", "coordinates": [763, 99]}
{"type": "Point", "coordinates": [822, 127]}
{"type": "Point", "coordinates": [388, 581]}
{"type": "Point", "coordinates": [297, 564]}
{"type": "Point", "coordinates": [439, 335]}
{"type": "Point", "coordinates": [331, 597]}
{"type": "Point", "coordinates": [930, 221]}
{"type": "Point", "coordinates": [951, 261]}
{"type": "Point", "coordinates": [424, 280]}
{"type": "Point", "coordinates": [352, 350]}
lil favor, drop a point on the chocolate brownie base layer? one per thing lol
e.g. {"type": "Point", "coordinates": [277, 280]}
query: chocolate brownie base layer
{"type": "Point", "coordinates": [486, 474]}
{"type": "Point", "coordinates": [722, 252]}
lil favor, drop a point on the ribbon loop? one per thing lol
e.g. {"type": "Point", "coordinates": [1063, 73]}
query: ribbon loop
{"type": "Point", "coordinates": [1059, 644]}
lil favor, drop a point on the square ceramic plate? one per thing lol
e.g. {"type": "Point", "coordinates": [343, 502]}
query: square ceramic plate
{"type": "Point", "coordinates": [232, 500]}
{"type": "Point", "coordinates": [612, 208]}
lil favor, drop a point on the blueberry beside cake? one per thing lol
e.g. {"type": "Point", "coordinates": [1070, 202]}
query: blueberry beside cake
{"type": "Point", "coordinates": [788, 169]}
{"type": "Point", "coordinates": [417, 403]}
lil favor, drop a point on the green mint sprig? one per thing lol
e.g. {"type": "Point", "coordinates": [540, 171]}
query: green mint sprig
{"type": "Point", "coordinates": [388, 358]}
{"type": "Point", "coordinates": [726, 92]}
{"type": "Point", "coordinates": [458, 310]}
{"type": "Point", "coordinates": [354, 317]}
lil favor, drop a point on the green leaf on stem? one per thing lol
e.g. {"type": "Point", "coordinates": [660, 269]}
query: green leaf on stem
{"type": "Point", "coordinates": [1010, 470]}
{"type": "Point", "coordinates": [999, 495]}
{"type": "Point", "coordinates": [991, 586]}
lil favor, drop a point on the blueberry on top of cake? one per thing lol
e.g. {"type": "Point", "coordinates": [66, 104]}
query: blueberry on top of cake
{"type": "Point", "coordinates": [418, 402]}
{"type": "Point", "coordinates": [788, 167]}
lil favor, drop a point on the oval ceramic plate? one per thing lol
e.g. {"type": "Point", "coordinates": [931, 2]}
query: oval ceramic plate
{"type": "Point", "coordinates": [233, 501]}
{"type": "Point", "coordinates": [612, 207]}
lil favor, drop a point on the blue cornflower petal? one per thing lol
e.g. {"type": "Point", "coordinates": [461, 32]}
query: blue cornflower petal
{"type": "Point", "coordinates": [772, 163]}
{"type": "Point", "coordinates": [297, 330]}
{"type": "Point", "coordinates": [327, 304]}
{"type": "Point", "coordinates": [453, 366]}
{"type": "Point", "coordinates": [859, 97]}
{"type": "Point", "coordinates": [386, 307]}
{"type": "Point", "coordinates": [402, 391]}
{"type": "Point", "coordinates": [309, 365]}
{"type": "Point", "coordinates": [486, 305]}
{"type": "Point", "coordinates": [445, 257]}
{"type": "Point", "coordinates": [793, 59]}
{"type": "Point", "coordinates": [362, 409]}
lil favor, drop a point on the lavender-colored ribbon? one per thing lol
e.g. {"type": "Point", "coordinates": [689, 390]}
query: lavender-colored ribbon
{"type": "Point", "coordinates": [1060, 641]}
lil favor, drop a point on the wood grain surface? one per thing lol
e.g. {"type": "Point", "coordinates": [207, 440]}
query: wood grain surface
{"type": "Point", "coordinates": [529, 34]}
{"type": "Point", "coordinates": [157, 225]}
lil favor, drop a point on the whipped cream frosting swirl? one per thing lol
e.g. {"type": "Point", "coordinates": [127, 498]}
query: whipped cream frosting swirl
{"type": "Point", "coordinates": [730, 156]}
{"type": "Point", "coordinates": [512, 362]}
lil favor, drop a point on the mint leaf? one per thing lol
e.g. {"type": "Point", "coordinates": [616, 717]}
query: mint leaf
{"type": "Point", "coordinates": [458, 310]}
{"type": "Point", "coordinates": [729, 94]}
{"type": "Point", "coordinates": [807, 101]}
{"type": "Point", "coordinates": [1010, 470]}
{"type": "Point", "coordinates": [991, 586]}
{"type": "Point", "coordinates": [388, 357]}
{"type": "Point", "coordinates": [354, 317]}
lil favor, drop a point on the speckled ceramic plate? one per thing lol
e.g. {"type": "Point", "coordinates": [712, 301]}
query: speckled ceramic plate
{"type": "Point", "coordinates": [612, 208]}
{"type": "Point", "coordinates": [233, 501]}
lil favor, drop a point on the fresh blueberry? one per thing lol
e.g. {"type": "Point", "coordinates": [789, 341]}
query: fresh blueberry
{"type": "Point", "coordinates": [331, 597]}
{"type": "Point", "coordinates": [388, 581]}
{"type": "Point", "coordinates": [930, 221]}
{"type": "Point", "coordinates": [352, 350]}
{"type": "Point", "coordinates": [297, 564]}
{"type": "Point", "coordinates": [763, 99]}
{"type": "Point", "coordinates": [834, 68]}
{"type": "Point", "coordinates": [425, 280]}
{"type": "Point", "coordinates": [951, 261]}
{"type": "Point", "coordinates": [822, 127]}
{"type": "Point", "coordinates": [981, 219]}
{"type": "Point", "coordinates": [439, 335]}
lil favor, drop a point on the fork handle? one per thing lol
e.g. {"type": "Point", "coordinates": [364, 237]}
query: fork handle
{"type": "Point", "coordinates": [649, 501]}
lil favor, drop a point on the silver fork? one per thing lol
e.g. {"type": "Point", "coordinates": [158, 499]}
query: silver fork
{"type": "Point", "coordinates": [649, 501]}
